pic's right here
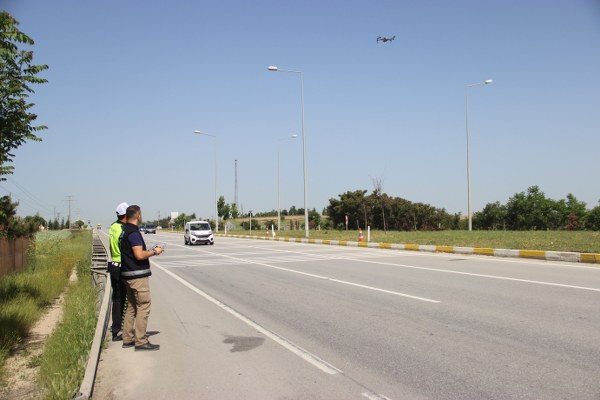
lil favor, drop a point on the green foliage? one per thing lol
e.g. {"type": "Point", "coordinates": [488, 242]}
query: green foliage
{"type": "Point", "coordinates": [66, 351]}
{"type": "Point", "coordinates": [592, 220]}
{"type": "Point", "coordinates": [493, 216]}
{"type": "Point", "coordinates": [12, 226]}
{"type": "Point", "coordinates": [17, 73]}
{"type": "Point", "coordinates": [234, 211]}
{"type": "Point", "coordinates": [380, 211]}
{"type": "Point", "coordinates": [314, 219]}
{"type": "Point", "coordinates": [180, 221]}
{"type": "Point", "coordinates": [223, 209]}
{"type": "Point", "coordinates": [524, 211]}
{"type": "Point", "coordinates": [533, 211]}
{"type": "Point", "coordinates": [23, 296]}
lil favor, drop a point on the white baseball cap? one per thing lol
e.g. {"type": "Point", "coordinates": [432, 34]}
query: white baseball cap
{"type": "Point", "coordinates": [122, 209]}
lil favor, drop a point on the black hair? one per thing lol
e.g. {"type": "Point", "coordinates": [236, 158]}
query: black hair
{"type": "Point", "coordinates": [132, 211]}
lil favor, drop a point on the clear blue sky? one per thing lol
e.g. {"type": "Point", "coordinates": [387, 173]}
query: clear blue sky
{"type": "Point", "coordinates": [129, 82]}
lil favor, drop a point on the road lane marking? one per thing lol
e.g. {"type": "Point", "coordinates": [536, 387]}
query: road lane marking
{"type": "Point", "coordinates": [375, 396]}
{"type": "Point", "coordinates": [419, 268]}
{"type": "Point", "coordinates": [504, 278]}
{"type": "Point", "coordinates": [246, 261]}
{"type": "Point", "coordinates": [299, 351]}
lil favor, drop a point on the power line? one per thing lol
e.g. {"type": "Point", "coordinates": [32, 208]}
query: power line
{"type": "Point", "coordinates": [22, 202]}
{"type": "Point", "coordinates": [35, 199]}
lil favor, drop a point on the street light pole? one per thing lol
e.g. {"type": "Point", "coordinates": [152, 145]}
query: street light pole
{"type": "Point", "coordinates": [470, 214]}
{"type": "Point", "coordinates": [276, 69]}
{"type": "Point", "coordinates": [278, 184]}
{"type": "Point", "coordinates": [216, 207]}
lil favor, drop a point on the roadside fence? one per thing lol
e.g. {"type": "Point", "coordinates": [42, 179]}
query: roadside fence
{"type": "Point", "coordinates": [13, 255]}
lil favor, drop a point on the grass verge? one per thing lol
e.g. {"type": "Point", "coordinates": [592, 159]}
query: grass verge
{"type": "Point", "coordinates": [25, 296]}
{"type": "Point", "coordinates": [66, 352]}
{"type": "Point", "coordinates": [575, 241]}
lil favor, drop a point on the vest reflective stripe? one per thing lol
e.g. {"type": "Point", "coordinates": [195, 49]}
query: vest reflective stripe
{"type": "Point", "coordinates": [135, 273]}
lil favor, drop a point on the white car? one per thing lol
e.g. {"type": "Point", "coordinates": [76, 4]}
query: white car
{"type": "Point", "coordinates": [198, 232]}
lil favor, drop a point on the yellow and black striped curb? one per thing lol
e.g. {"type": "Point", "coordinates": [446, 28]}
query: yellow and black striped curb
{"type": "Point", "coordinates": [591, 258]}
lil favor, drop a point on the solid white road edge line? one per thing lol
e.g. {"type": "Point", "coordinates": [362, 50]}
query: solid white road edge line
{"type": "Point", "coordinates": [304, 354]}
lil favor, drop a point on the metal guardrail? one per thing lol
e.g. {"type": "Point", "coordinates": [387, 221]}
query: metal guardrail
{"type": "Point", "coordinates": [100, 278]}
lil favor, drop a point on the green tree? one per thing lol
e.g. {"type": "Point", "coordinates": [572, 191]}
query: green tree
{"type": "Point", "coordinates": [351, 204]}
{"type": "Point", "coordinates": [576, 212]}
{"type": "Point", "coordinates": [180, 221]}
{"type": "Point", "coordinates": [531, 210]}
{"type": "Point", "coordinates": [492, 217]}
{"type": "Point", "coordinates": [234, 211]}
{"type": "Point", "coordinates": [11, 225]}
{"type": "Point", "coordinates": [223, 208]}
{"type": "Point", "coordinates": [399, 214]}
{"type": "Point", "coordinates": [17, 73]}
{"type": "Point", "coordinates": [8, 211]}
{"type": "Point", "coordinates": [592, 220]}
{"type": "Point", "coordinates": [33, 223]}
{"type": "Point", "coordinates": [314, 219]}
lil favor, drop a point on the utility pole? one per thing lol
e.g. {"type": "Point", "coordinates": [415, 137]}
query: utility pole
{"type": "Point", "coordinates": [235, 196]}
{"type": "Point", "coordinates": [69, 200]}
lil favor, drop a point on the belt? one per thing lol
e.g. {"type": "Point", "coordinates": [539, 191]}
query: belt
{"type": "Point", "coordinates": [135, 273]}
{"type": "Point", "coordinates": [116, 264]}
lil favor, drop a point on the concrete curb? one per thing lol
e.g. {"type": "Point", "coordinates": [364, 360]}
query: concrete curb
{"type": "Point", "coordinates": [590, 258]}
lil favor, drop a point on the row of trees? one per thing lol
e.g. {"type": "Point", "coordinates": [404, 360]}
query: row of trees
{"type": "Point", "coordinates": [230, 211]}
{"type": "Point", "coordinates": [380, 211]}
{"type": "Point", "coordinates": [530, 210]}
{"type": "Point", "coordinates": [11, 225]}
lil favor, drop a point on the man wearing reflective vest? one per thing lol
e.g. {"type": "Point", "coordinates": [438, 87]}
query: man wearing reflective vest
{"type": "Point", "coordinates": [135, 272]}
{"type": "Point", "coordinates": [114, 269]}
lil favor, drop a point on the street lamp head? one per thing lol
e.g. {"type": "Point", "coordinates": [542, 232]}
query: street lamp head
{"type": "Point", "coordinates": [488, 81]}
{"type": "Point", "coordinates": [272, 68]}
{"type": "Point", "coordinates": [294, 136]}
{"type": "Point", "coordinates": [198, 132]}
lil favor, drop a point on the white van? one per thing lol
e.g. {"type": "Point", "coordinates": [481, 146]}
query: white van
{"type": "Point", "coordinates": [198, 232]}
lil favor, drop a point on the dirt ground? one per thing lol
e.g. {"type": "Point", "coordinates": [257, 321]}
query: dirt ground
{"type": "Point", "coordinates": [23, 365]}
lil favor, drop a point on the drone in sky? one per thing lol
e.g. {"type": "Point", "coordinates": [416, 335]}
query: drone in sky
{"type": "Point", "coordinates": [385, 39]}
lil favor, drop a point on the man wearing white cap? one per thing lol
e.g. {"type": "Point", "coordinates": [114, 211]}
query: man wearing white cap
{"type": "Point", "coordinates": [114, 268]}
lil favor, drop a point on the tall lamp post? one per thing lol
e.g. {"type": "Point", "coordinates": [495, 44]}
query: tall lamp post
{"type": "Point", "coordinates": [276, 69]}
{"type": "Point", "coordinates": [278, 185]}
{"type": "Point", "coordinates": [216, 208]}
{"type": "Point", "coordinates": [486, 82]}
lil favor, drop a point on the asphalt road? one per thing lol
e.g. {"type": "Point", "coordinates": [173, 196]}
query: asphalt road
{"type": "Point", "coordinates": [249, 319]}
